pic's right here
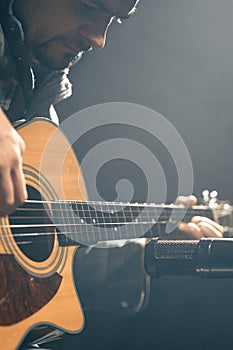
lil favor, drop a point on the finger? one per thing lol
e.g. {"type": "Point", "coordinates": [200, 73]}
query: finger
{"type": "Point", "coordinates": [208, 230]}
{"type": "Point", "coordinates": [199, 219]}
{"type": "Point", "coordinates": [186, 201]}
{"type": "Point", "coordinates": [20, 192]}
{"type": "Point", "coordinates": [20, 141]}
{"type": "Point", "coordinates": [191, 229]}
{"type": "Point", "coordinates": [6, 193]}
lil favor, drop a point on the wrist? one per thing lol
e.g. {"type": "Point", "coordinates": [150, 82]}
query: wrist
{"type": "Point", "coordinates": [5, 124]}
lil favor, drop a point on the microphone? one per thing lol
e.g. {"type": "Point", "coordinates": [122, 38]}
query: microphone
{"type": "Point", "coordinates": [208, 257]}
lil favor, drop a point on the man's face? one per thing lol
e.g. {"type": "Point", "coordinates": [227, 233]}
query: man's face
{"type": "Point", "coordinates": [57, 32]}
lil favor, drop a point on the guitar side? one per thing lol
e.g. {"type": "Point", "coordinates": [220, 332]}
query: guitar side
{"type": "Point", "coordinates": [35, 292]}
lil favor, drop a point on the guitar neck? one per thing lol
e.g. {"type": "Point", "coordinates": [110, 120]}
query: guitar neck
{"type": "Point", "coordinates": [91, 222]}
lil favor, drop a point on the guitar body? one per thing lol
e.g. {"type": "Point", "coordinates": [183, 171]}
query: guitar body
{"type": "Point", "coordinates": [38, 241]}
{"type": "Point", "coordinates": [37, 285]}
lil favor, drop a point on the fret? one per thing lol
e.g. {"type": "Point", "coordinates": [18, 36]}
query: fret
{"type": "Point", "coordinates": [74, 231]}
{"type": "Point", "coordinates": [66, 218]}
{"type": "Point", "coordinates": [147, 222]}
{"type": "Point", "coordinates": [148, 218]}
{"type": "Point", "coordinates": [167, 214]}
{"type": "Point", "coordinates": [116, 229]}
{"type": "Point", "coordinates": [125, 219]}
{"type": "Point", "coordinates": [91, 220]}
{"type": "Point", "coordinates": [159, 226]}
{"type": "Point", "coordinates": [58, 221]}
{"type": "Point", "coordinates": [80, 230]}
{"type": "Point", "coordinates": [101, 221]}
{"type": "Point", "coordinates": [87, 219]}
{"type": "Point", "coordinates": [137, 226]}
{"type": "Point", "coordinates": [134, 219]}
{"type": "Point", "coordinates": [109, 217]}
{"type": "Point", "coordinates": [104, 220]}
{"type": "Point", "coordinates": [73, 223]}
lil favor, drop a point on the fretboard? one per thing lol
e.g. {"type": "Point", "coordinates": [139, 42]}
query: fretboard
{"type": "Point", "coordinates": [91, 222]}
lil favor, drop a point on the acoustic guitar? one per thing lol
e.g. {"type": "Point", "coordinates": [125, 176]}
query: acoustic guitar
{"type": "Point", "coordinates": [38, 241]}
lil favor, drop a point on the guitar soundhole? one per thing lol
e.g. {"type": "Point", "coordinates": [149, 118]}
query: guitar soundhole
{"type": "Point", "coordinates": [29, 229]}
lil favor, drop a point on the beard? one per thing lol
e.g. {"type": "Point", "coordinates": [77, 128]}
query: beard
{"type": "Point", "coordinates": [48, 56]}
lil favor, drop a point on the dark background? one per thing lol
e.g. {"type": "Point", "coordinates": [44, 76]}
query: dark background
{"type": "Point", "coordinates": [176, 57]}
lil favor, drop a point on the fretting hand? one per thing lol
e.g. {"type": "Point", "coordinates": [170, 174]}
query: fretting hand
{"type": "Point", "coordinates": [199, 226]}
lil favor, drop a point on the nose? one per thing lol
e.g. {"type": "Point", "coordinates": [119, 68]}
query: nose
{"type": "Point", "coordinates": [95, 36]}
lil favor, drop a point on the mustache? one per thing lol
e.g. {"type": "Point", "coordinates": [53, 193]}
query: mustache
{"type": "Point", "coordinates": [74, 44]}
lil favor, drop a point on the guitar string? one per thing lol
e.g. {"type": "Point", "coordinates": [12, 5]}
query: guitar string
{"type": "Point", "coordinates": [146, 206]}
{"type": "Point", "coordinates": [90, 224]}
{"type": "Point", "coordinates": [66, 232]}
{"type": "Point", "coordinates": [129, 216]}
{"type": "Point", "coordinates": [105, 203]}
{"type": "Point", "coordinates": [119, 204]}
{"type": "Point", "coordinates": [85, 230]}
{"type": "Point", "coordinates": [189, 210]}
{"type": "Point", "coordinates": [125, 218]}
{"type": "Point", "coordinates": [70, 234]}
{"type": "Point", "coordinates": [189, 214]}
{"type": "Point", "coordinates": [111, 225]}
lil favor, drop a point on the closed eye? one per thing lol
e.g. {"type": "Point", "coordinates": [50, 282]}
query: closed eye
{"type": "Point", "coordinates": [88, 5]}
{"type": "Point", "coordinates": [120, 20]}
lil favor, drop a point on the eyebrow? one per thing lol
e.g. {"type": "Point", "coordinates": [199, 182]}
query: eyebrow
{"type": "Point", "coordinates": [130, 13]}
{"type": "Point", "coordinates": [112, 14]}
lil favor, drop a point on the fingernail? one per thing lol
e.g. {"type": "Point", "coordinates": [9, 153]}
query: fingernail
{"type": "Point", "coordinates": [196, 218]}
{"type": "Point", "coordinates": [181, 226]}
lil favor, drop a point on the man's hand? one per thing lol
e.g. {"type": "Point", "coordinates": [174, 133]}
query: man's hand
{"type": "Point", "coordinates": [199, 226]}
{"type": "Point", "coordinates": [12, 183]}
